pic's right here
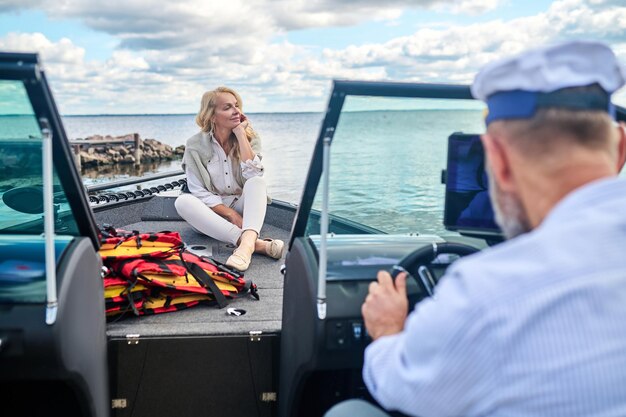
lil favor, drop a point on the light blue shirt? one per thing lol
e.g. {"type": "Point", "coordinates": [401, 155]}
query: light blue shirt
{"type": "Point", "coordinates": [532, 327]}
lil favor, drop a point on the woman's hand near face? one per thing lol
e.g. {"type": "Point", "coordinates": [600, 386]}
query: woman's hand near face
{"type": "Point", "coordinates": [240, 129]}
{"type": "Point", "coordinates": [244, 121]}
{"type": "Point", "coordinates": [245, 149]}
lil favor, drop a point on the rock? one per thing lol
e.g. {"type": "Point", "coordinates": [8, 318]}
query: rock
{"type": "Point", "coordinates": [121, 149]}
{"type": "Point", "coordinates": [92, 159]}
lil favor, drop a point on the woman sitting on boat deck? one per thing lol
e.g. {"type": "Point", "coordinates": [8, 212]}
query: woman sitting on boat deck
{"type": "Point", "coordinates": [228, 196]}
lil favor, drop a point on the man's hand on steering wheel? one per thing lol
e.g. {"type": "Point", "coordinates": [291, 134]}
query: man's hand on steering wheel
{"type": "Point", "coordinates": [386, 306]}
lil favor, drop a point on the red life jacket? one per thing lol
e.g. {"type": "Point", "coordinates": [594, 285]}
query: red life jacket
{"type": "Point", "coordinates": [151, 273]}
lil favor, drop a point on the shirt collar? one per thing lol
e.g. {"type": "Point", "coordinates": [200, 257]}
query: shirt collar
{"type": "Point", "coordinates": [214, 141]}
{"type": "Point", "coordinates": [212, 138]}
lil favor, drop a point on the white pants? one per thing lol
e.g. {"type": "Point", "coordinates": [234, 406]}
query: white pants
{"type": "Point", "coordinates": [251, 205]}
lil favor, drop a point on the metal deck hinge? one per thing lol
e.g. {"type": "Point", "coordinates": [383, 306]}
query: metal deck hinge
{"type": "Point", "coordinates": [268, 397]}
{"type": "Point", "coordinates": [118, 403]}
{"type": "Point", "coordinates": [255, 335]}
{"type": "Point", "coordinates": [132, 339]}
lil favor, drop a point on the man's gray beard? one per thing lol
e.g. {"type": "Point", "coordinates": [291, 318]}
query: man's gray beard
{"type": "Point", "coordinates": [508, 210]}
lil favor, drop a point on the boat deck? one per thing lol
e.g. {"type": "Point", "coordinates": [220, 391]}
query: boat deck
{"type": "Point", "coordinates": [261, 315]}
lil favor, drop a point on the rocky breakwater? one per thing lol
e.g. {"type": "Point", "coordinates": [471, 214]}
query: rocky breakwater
{"type": "Point", "coordinates": [97, 150]}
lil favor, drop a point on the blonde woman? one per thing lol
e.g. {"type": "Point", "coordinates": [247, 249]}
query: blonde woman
{"type": "Point", "coordinates": [228, 195]}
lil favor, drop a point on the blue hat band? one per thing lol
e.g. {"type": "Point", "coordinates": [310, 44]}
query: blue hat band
{"type": "Point", "coordinates": [519, 104]}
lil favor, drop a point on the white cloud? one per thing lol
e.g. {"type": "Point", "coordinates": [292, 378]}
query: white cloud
{"type": "Point", "coordinates": [62, 52]}
{"type": "Point", "coordinates": [146, 24]}
{"type": "Point", "coordinates": [170, 53]}
{"type": "Point", "coordinates": [456, 53]}
{"type": "Point", "coordinates": [474, 7]}
{"type": "Point", "coordinates": [123, 82]}
{"type": "Point", "coordinates": [126, 60]}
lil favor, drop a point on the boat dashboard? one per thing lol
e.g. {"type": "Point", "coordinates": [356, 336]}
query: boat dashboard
{"type": "Point", "coordinates": [324, 351]}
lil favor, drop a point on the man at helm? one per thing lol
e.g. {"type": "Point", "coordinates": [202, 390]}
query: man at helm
{"type": "Point", "coordinates": [535, 325]}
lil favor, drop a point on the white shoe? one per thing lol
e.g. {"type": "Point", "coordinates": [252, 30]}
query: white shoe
{"type": "Point", "coordinates": [274, 248]}
{"type": "Point", "coordinates": [238, 260]}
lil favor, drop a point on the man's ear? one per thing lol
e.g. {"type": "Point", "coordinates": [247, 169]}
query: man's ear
{"type": "Point", "coordinates": [498, 162]}
{"type": "Point", "coordinates": [621, 146]}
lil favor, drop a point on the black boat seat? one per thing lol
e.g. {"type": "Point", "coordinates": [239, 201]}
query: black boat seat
{"type": "Point", "coordinates": [57, 369]}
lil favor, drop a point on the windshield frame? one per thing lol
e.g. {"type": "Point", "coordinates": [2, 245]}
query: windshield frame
{"type": "Point", "coordinates": [343, 88]}
{"type": "Point", "coordinates": [27, 68]}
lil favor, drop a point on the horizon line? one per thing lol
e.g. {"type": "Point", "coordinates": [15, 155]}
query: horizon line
{"type": "Point", "coordinates": [177, 114]}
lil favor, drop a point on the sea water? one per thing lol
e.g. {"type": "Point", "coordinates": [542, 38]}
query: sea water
{"type": "Point", "coordinates": [287, 141]}
{"type": "Point", "coordinates": [385, 165]}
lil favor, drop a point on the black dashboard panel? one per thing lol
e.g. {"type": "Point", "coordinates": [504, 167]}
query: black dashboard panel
{"type": "Point", "coordinates": [315, 352]}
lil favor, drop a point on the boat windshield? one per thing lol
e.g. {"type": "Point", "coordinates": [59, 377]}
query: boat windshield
{"type": "Point", "coordinates": [21, 189]}
{"type": "Point", "coordinates": [386, 162]}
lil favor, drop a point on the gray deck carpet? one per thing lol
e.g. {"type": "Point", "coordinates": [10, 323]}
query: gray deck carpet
{"type": "Point", "coordinates": [261, 315]}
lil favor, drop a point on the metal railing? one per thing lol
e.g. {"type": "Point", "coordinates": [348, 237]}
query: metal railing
{"type": "Point", "coordinates": [124, 183]}
{"type": "Point", "coordinates": [97, 199]}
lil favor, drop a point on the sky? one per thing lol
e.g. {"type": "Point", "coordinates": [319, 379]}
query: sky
{"type": "Point", "coordinates": [159, 56]}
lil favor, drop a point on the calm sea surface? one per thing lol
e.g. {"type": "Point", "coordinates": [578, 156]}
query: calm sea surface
{"type": "Point", "coordinates": [287, 139]}
{"type": "Point", "coordinates": [385, 165]}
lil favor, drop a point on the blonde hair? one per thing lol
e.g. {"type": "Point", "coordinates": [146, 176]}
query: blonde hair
{"type": "Point", "coordinates": [204, 118]}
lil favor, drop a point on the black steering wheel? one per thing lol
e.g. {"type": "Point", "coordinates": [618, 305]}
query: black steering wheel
{"type": "Point", "coordinates": [415, 264]}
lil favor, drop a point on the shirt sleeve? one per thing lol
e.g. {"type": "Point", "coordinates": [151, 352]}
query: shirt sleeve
{"type": "Point", "coordinates": [252, 168]}
{"type": "Point", "coordinates": [197, 189]}
{"type": "Point", "coordinates": [441, 364]}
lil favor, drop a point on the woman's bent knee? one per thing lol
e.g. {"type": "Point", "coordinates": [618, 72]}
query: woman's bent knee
{"type": "Point", "coordinates": [183, 204]}
{"type": "Point", "coordinates": [255, 182]}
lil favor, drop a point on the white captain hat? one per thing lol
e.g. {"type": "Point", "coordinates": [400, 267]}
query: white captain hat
{"type": "Point", "coordinates": [514, 88]}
